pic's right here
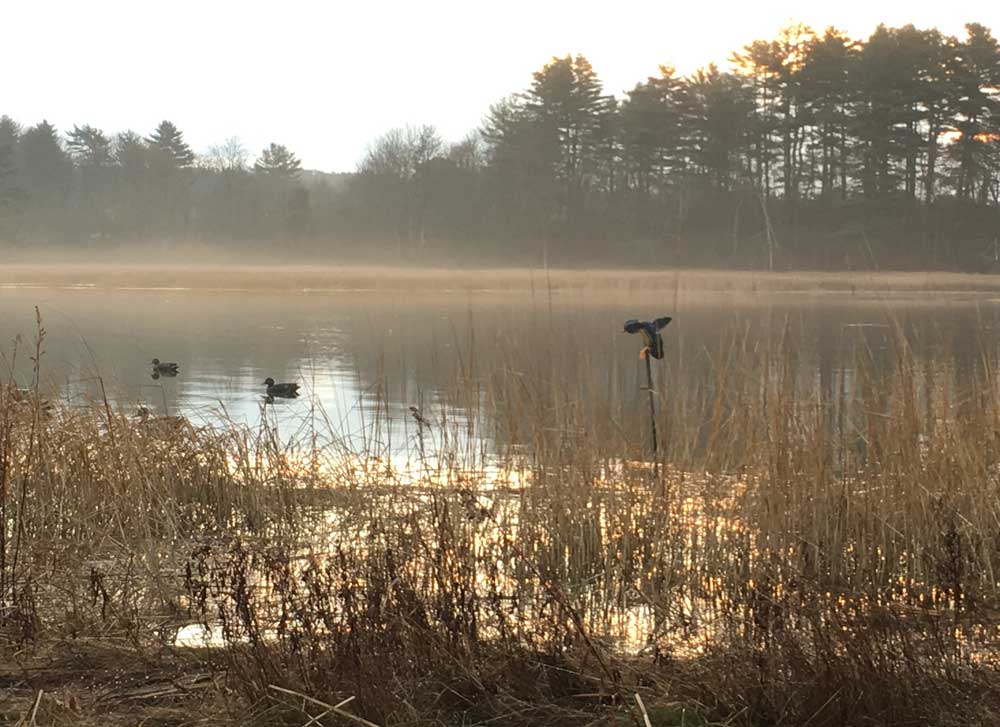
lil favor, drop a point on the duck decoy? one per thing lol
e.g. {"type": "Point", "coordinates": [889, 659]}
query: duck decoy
{"type": "Point", "coordinates": [163, 424]}
{"type": "Point", "coordinates": [652, 348]}
{"type": "Point", "coordinates": [164, 368]}
{"type": "Point", "coordinates": [282, 391]}
{"type": "Point", "coordinates": [651, 336]}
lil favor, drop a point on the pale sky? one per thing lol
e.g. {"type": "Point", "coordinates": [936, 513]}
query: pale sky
{"type": "Point", "coordinates": [325, 78]}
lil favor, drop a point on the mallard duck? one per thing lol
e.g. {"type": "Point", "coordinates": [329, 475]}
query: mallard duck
{"type": "Point", "coordinates": [164, 368]}
{"type": "Point", "coordinates": [163, 424]}
{"type": "Point", "coordinates": [282, 391]}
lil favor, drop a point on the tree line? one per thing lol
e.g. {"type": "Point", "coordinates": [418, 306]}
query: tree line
{"type": "Point", "coordinates": [86, 187]}
{"type": "Point", "coordinates": [814, 150]}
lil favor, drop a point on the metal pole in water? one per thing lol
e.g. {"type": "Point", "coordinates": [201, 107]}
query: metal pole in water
{"type": "Point", "coordinates": [653, 348]}
{"type": "Point", "coordinates": [652, 405]}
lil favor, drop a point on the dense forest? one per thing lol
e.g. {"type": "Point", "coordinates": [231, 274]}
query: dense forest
{"type": "Point", "coordinates": [814, 151]}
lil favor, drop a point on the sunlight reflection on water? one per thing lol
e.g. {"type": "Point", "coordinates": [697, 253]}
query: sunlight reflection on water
{"type": "Point", "coordinates": [353, 353]}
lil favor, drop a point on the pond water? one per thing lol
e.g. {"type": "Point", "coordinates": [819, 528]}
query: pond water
{"type": "Point", "coordinates": [356, 354]}
{"type": "Point", "coordinates": [363, 358]}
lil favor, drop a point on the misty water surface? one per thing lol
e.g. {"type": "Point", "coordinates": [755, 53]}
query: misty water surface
{"type": "Point", "coordinates": [350, 350]}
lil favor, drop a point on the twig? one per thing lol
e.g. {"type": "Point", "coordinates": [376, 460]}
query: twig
{"type": "Point", "coordinates": [317, 718]}
{"type": "Point", "coordinates": [822, 707]}
{"type": "Point", "coordinates": [107, 410]}
{"type": "Point", "coordinates": [34, 709]}
{"type": "Point", "coordinates": [335, 708]}
{"type": "Point", "coordinates": [321, 715]}
{"type": "Point", "coordinates": [508, 715]}
{"type": "Point", "coordinates": [642, 708]}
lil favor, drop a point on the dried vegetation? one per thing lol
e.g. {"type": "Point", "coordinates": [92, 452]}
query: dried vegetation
{"type": "Point", "coordinates": [799, 555]}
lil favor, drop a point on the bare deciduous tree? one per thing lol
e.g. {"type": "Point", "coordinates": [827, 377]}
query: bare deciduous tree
{"type": "Point", "coordinates": [229, 156]}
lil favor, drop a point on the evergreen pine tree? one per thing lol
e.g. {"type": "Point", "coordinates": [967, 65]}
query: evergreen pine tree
{"type": "Point", "coordinates": [44, 167]}
{"type": "Point", "coordinates": [89, 146]}
{"type": "Point", "coordinates": [277, 161]}
{"type": "Point", "coordinates": [169, 141]}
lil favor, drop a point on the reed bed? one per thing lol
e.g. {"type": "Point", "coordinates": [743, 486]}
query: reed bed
{"type": "Point", "coordinates": [806, 548]}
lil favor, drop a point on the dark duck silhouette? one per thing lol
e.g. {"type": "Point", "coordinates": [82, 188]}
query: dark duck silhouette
{"type": "Point", "coordinates": [162, 368]}
{"type": "Point", "coordinates": [282, 391]}
{"type": "Point", "coordinates": [651, 336]}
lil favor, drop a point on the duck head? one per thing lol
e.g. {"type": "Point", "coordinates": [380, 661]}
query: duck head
{"type": "Point", "coordinates": [268, 381]}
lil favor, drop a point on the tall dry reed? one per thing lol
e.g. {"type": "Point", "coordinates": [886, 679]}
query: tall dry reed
{"type": "Point", "coordinates": [815, 547]}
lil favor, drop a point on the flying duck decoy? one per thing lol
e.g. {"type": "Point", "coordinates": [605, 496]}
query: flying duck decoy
{"type": "Point", "coordinates": [650, 331]}
{"type": "Point", "coordinates": [163, 368]}
{"type": "Point", "coordinates": [283, 391]}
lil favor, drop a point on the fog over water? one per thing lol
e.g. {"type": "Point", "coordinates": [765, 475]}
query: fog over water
{"type": "Point", "coordinates": [351, 351]}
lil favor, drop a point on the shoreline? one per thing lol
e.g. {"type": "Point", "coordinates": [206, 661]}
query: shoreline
{"type": "Point", "coordinates": [365, 279]}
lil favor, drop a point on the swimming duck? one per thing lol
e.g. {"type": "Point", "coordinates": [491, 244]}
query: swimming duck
{"type": "Point", "coordinates": [164, 368]}
{"type": "Point", "coordinates": [283, 391]}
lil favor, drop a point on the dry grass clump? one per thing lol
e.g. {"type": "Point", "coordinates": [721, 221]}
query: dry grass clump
{"type": "Point", "coordinates": [798, 554]}
{"type": "Point", "coordinates": [94, 502]}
